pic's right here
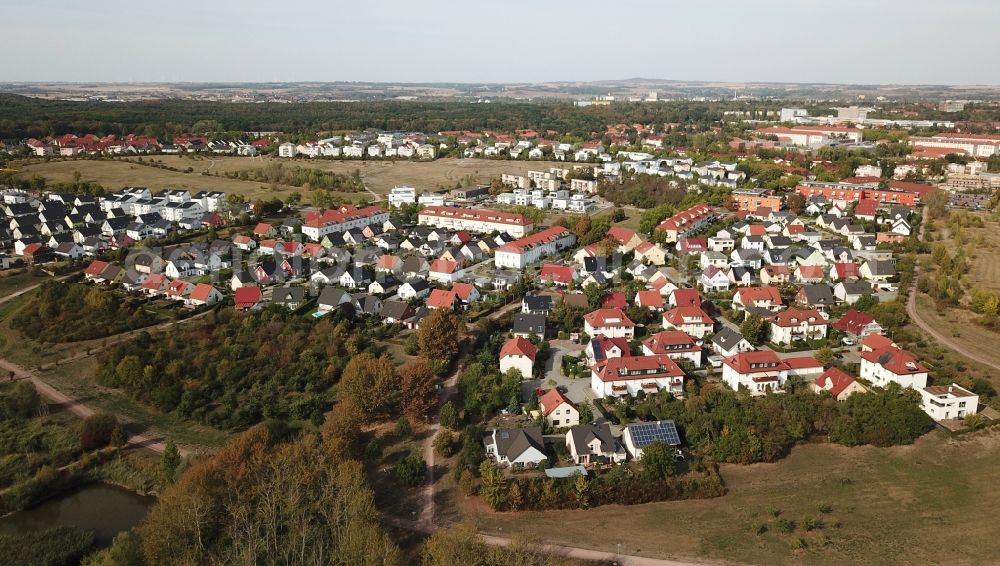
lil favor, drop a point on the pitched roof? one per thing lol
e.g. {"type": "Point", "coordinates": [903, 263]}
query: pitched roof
{"type": "Point", "coordinates": [895, 360]}
{"type": "Point", "coordinates": [687, 297]}
{"type": "Point", "coordinates": [749, 295]}
{"type": "Point", "coordinates": [853, 322]}
{"type": "Point", "coordinates": [791, 317]}
{"type": "Point", "coordinates": [669, 341]}
{"type": "Point", "coordinates": [556, 273]}
{"type": "Point", "coordinates": [684, 314]}
{"type": "Point", "coordinates": [602, 318]}
{"type": "Point", "coordinates": [247, 296]}
{"type": "Point", "coordinates": [441, 299]}
{"type": "Point", "coordinates": [201, 292]}
{"type": "Point", "coordinates": [834, 380]}
{"type": "Point", "coordinates": [636, 368]}
{"type": "Point", "coordinates": [551, 401]}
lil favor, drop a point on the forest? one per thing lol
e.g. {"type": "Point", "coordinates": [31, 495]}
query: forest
{"type": "Point", "coordinates": [23, 117]}
{"type": "Point", "coordinates": [68, 312]}
{"type": "Point", "coordinates": [232, 371]}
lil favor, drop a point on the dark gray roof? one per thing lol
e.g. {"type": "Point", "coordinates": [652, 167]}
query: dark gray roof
{"type": "Point", "coordinates": [284, 295]}
{"type": "Point", "coordinates": [529, 324]}
{"type": "Point", "coordinates": [727, 338]}
{"type": "Point", "coordinates": [511, 443]}
{"type": "Point", "coordinates": [584, 434]}
{"type": "Point", "coordinates": [819, 294]}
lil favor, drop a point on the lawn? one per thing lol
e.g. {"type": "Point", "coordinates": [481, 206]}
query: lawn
{"type": "Point", "coordinates": [15, 280]}
{"type": "Point", "coordinates": [961, 326]}
{"type": "Point", "coordinates": [380, 176]}
{"type": "Point", "coordinates": [115, 174]}
{"type": "Point", "coordinates": [926, 503]}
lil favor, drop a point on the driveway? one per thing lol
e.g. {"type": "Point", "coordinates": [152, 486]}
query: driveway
{"type": "Point", "coordinates": [576, 389]}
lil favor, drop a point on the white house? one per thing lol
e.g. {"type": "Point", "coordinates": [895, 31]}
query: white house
{"type": "Point", "coordinates": [793, 324]}
{"type": "Point", "coordinates": [520, 446]}
{"type": "Point", "coordinates": [942, 402]}
{"type": "Point", "coordinates": [617, 377]}
{"type": "Point", "coordinates": [763, 371]}
{"type": "Point", "coordinates": [558, 410]}
{"type": "Point", "coordinates": [594, 444]}
{"type": "Point", "coordinates": [891, 364]}
{"type": "Point", "coordinates": [610, 322]}
{"type": "Point", "coordinates": [518, 354]}
{"type": "Point", "coordinates": [638, 436]}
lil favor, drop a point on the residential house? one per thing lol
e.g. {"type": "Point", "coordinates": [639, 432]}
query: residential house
{"type": "Point", "coordinates": [728, 342]}
{"type": "Point", "coordinates": [289, 297]}
{"type": "Point", "coordinates": [594, 444]}
{"type": "Point", "coordinates": [948, 402]}
{"type": "Point", "coordinates": [516, 447]}
{"type": "Point", "coordinates": [528, 325]}
{"type": "Point", "coordinates": [689, 319]}
{"type": "Point", "coordinates": [793, 324]}
{"type": "Point", "coordinates": [414, 289]}
{"type": "Point", "coordinates": [761, 372]}
{"type": "Point", "coordinates": [893, 365]}
{"type": "Point", "coordinates": [558, 410]}
{"type": "Point", "coordinates": [611, 322]}
{"type": "Point", "coordinates": [857, 324]}
{"type": "Point", "coordinates": [203, 294]}
{"type": "Point", "coordinates": [638, 436]}
{"type": "Point", "coordinates": [837, 383]}
{"type": "Point", "coordinates": [674, 343]}
{"type": "Point", "coordinates": [851, 291]}
{"type": "Point", "coordinates": [616, 377]}
{"type": "Point", "coordinates": [518, 354]}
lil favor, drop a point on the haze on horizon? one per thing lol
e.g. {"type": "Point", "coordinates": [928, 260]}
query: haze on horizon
{"type": "Point", "coordinates": [845, 41]}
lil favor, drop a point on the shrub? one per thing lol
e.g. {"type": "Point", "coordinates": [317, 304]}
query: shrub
{"type": "Point", "coordinates": [96, 430]}
{"type": "Point", "coordinates": [410, 470]}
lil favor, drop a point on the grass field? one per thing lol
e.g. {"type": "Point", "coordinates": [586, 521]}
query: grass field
{"type": "Point", "coordinates": [930, 503]}
{"type": "Point", "coordinates": [983, 248]}
{"type": "Point", "coordinates": [379, 176]}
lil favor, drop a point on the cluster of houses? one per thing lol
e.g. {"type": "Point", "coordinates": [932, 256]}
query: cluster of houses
{"type": "Point", "coordinates": [44, 227]}
{"type": "Point", "coordinates": [70, 145]}
{"type": "Point", "coordinates": [366, 144]}
{"type": "Point", "coordinates": [828, 258]}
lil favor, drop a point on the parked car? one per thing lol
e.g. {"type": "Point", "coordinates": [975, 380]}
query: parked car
{"type": "Point", "coordinates": [847, 341]}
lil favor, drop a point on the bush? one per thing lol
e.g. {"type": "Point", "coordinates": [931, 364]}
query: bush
{"type": "Point", "coordinates": [52, 547]}
{"type": "Point", "coordinates": [403, 428]}
{"type": "Point", "coordinates": [444, 444]}
{"type": "Point", "coordinates": [97, 430]}
{"type": "Point", "coordinates": [410, 471]}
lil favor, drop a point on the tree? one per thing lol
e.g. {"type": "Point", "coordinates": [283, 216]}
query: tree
{"type": "Point", "coordinates": [419, 390]}
{"type": "Point", "coordinates": [96, 430]}
{"type": "Point", "coordinates": [795, 202]}
{"type": "Point", "coordinates": [824, 355]}
{"type": "Point", "coordinates": [410, 471]}
{"type": "Point", "coordinates": [439, 335]}
{"type": "Point", "coordinates": [448, 415]}
{"type": "Point", "coordinates": [936, 203]}
{"type": "Point", "coordinates": [371, 384]}
{"type": "Point", "coordinates": [169, 462]}
{"type": "Point", "coordinates": [402, 428]}
{"type": "Point", "coordinates": [493, 487]}
{"type": "Point", "coordinates": [755, 329]}
{"type": "Point", "coordinates": [658, 461]}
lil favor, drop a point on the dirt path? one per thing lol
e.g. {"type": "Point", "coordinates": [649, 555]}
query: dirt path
{"type": "Point", "coordinates": [947, 341]}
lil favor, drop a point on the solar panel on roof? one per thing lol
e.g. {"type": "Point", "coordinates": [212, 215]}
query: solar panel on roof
{"type": "Point", "coordinates": [644, 434]}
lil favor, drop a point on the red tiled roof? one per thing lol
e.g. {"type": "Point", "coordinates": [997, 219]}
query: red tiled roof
{"type": "Point", "coordinates": [895, 360]}
{"type": "Point", "coordinates": [877, 342]}
{"type": "Point", "coordinates": [685, 314]}
{"type": "Point", "coordinates": [443, 266]}
{"type": "Point", "coordinates": [839, 381]}
{"type": "Point", "coordinates": [551, 401]}
{"type": "Point", "coordinates": [201, 292]}
{"type": "Point", "coordinates": [669, 341]}
{"type": "Point", "coordinates": [556, 273]}
{"type": "Point", "coordinates": [749, 295]}
{"type": "Point", "coordinates": [463, 290]}
{"type": "Point", "coordinates": [794, 317]}
{"type": "Point", "coordinates": [764, 360]}
{"type": "Point", "coordinates": [649, 299]}
{"type": "Point", "coordinates": [685, 217]}
{"type": "Point", "coordinates": [687, 296]}
{"type": "Point", "coordinates": [96, 267]}
{"type": "Point", "coordinates": [853, 321]}
{"type": "Point", "coordinates": [441, 299]}
{"type": "Point", "coordinates": [262, 228]}
{"type": "Point", "coordinates": [547, 235]}
{"type": "Point", "coordinates": [518, 346]}
{"type": "Point", "coordinates": [480, 214]}
{"type": "Point", "coordinates": [615, 300]}
{"type": "Point", "coordinates": [621, 234]}
{"type": "Point", "coordinates": [247, 297]}
{"type": "Point", "coordinates": [602, 318]}
{"type": "Point", "coordinates": [637, 368]}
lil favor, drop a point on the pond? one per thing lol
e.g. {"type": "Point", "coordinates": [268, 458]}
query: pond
{"type": "Point", "coordinates": [105, 509]}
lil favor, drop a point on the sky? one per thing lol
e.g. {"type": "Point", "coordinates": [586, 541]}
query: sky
{"type": "Point", "coordinates": [843, 41]}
